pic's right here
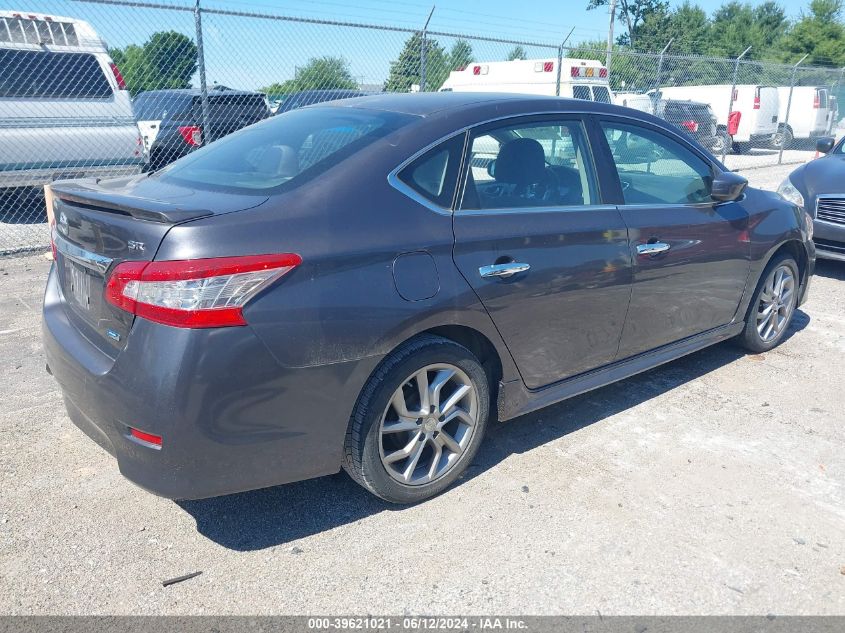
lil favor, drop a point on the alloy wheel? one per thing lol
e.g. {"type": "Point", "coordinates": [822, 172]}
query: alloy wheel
{"type": "Point", "coordinates": [776, 303]}
{"type": "Point", "coordinates": [428, 424]}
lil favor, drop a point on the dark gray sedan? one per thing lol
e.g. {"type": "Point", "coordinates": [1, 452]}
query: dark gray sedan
{"type": "Point", "coordinates": [368, 284]}
{"type": "Point", "coordinates": [819, 187]}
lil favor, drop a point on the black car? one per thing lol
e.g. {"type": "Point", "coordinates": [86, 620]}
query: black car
{"type": "Point", "coordinates": [310, 97]}
{"type": "Point", "coordinates": [819, 187]}
{"type": "Point", "coordinates": [694, 119]}
{"type": "Point", "coordinates": [172, 125]}
{"type": "Point", "coordinates": [345, 285]}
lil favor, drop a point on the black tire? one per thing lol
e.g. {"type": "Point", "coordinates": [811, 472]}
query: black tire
{"type": "Point", "coordinates": [740, 148]}
{"type": "Point", "coordinates": [721, 142]}
{"type": "Point", "coordinates": [362, 458]}
{"type": "Point", "coordinates": [783, 138]}
{"type": "Point", "coordinates": [751, 339]}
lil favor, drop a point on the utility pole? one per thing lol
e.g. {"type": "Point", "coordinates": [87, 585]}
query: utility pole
{"type": "Point", "coordinates": [609, 54]}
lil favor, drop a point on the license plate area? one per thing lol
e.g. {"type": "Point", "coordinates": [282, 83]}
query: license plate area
{"type": "Point", "coordinates": [77, 285]}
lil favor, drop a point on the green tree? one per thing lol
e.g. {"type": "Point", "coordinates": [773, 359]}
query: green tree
{"type": "Point", "coordinates": [405, 70]}
{"type": "Point", "coordinates": [167, 60]}
{"type": "Point", "coordinates": [460, 56]}
{"type": "Point", "coordinates": [633, 13]}
{"type": "Point", "coordinates": [820, 33]}
{"type": "Point", "coordinates": [517, 52]}
{"type": "Point", "coordinates": [320, 73]}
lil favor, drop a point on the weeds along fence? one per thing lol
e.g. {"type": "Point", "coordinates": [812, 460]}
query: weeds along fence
{"type": "Point", "coordinates": [100, 88]}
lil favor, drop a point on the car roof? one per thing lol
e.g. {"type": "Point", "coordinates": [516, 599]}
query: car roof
{"type": "Point", "coordinates": [193, 92]}
{"type": "Point", "coordinates": [428, 103]}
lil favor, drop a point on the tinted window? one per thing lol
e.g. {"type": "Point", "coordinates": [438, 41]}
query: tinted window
{"type": "Point", "coordinates": [581, 92]}
{"type": "Point", "coordinates": [45, 75]}
{"type": "Point", "coordinates": [284, 151]}
{"type": "Point", "coordinates": [233, 106]}
{"type": "Point", "coordinates": [655, 169]}
{"type": "Point", "coordinates": [601, 94]}
{"type": "Point", "coordinates": [529, 165]}
{"type": "Point", "coordinates": [434, 174]}
{"type": "Point", "coordinates": [158, 106]}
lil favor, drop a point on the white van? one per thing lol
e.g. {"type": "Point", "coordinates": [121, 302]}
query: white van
{"type": "Point", "coordinates": [809, 114]}
{"type": "Point", "coordinates": [579, 78]}
{"type": "Point", "coordinates": [64, 108]}
{"type": "Point", "coordinates": [754, 110]}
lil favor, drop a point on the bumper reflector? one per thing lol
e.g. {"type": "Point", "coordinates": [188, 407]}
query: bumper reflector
{"type": "Point", "coordinates": [148, 438]}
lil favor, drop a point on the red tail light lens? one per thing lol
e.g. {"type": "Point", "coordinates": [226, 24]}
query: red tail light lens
{"type": "Point", "coordinates": [121, 84]}
{"type": "Point", "coordinates": [476, 70]}
{"type": "Point", "coordinates": [692, 126]}
{"type": "Point", "coordinates": [574, 71]}
{"type": "Point", "coordinates": [548, 67]}
{"type": "Point", "coordinates": [192, 134]}
{"type": "Point", "coordinates": [817, 102]}
{"type": "Point", "coordinates": [603, 73]}
{"type": "Point", "coordinates": [196, 293]}
{"type": "Point", "coordinates": [757, 102]}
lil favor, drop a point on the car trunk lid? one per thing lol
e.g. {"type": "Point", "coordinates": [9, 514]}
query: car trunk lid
{"type": "Point", "coordinates": [101, 224]}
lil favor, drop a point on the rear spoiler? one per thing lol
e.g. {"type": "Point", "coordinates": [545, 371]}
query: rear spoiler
{"type": "Point", "coordinates": [82, 193]}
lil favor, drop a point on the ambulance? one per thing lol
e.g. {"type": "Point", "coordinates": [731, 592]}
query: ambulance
{"type": "Point", "coordinates": [579, 78]}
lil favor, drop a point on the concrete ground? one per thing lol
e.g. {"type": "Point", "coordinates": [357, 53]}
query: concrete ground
{"type": "Point", "coordinates": [712, 485]}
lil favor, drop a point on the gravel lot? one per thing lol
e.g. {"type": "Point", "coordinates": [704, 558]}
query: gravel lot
{"type": "Point", "coordinates": [715, 484]}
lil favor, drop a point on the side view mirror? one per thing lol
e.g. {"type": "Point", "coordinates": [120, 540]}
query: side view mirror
{"type": "Point", "coordinates": [728, 186]}
{"type": "Point", "coordinates": [824, 145]}
{"type": "Point", "coordinates": [491, 168]}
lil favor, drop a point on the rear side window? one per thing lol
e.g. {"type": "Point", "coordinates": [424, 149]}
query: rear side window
{"type": "Point", "coordinates": [47, 75]}
{"type": "Point", "coordinates": [435, 174]}
{"type": "Point", "coordinates": [285, 151]}
{"type": "Point", "coordinates": [581, 92]}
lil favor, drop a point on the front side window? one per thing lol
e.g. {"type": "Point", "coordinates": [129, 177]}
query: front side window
{"type": "Point", "coordinates": [537, 164]}
{"type": "Point", "coordinates": [284, 151]}
{"type": "Point", "coordinates": [655, 169]}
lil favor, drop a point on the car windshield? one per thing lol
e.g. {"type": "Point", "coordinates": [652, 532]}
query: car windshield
{"type": "Point", "coordinates": [285, 151]}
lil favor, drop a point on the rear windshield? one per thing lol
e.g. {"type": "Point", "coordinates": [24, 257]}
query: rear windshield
{"type": "Point", "coordinates": [601, 94]}
{"type": "Point", "coordinates": [47, 75]}
{"type": "Point", "coordinates": [232, 106]}
{"type": "Point", "coordinates": [285, 151]}
{"type": "Point", "coordinates": [158, 106]}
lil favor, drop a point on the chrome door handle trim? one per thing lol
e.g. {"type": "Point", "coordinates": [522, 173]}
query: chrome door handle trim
{"type": "Point", "coordinates": [653, 248]}
{"type": "Point", "coordinates": [503, 270]}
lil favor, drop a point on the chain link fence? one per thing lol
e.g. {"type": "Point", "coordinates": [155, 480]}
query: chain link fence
{"type": "Point", "coordinates": [101, 88]}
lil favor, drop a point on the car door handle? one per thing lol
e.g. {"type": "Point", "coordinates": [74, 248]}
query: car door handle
{"type": "Point", "coordinates": [652, 248]}
{"type": "Point", "coordinates": [503, 270]}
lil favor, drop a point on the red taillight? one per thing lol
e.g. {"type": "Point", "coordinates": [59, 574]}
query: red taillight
{"type": "Point", "coordinates": [692, 126]}
{"type": "Point", "coordinates": [757, 101]}
{"type": "Point", "coordinates": [195, 293]}
{"type": "Point", "coordinates": [192, 134]}
{"type": "Point", "coordinates": [548, 67]}
{"type": "Point", "coordinates": [476, 70]}
{"type": "Point", "coordinates": [603, 73]}
{"type": "Point", "coordinates": [733, 122]}
{"type": "Point", "coordinates": [817, 102]}
{"type": "Point", "coordinates": [149, 438]}
{"type": "Point", "coordinates": [121, 85]}
{"type": "Point", "coordinates": [574, 71]}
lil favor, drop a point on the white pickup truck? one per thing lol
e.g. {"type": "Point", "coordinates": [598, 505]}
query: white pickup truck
{"type": "Point", "coordinates": [64, 108]}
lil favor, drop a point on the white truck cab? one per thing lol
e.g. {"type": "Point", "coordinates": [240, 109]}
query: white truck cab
{"type": "Point", "coordinates": [579, 78]}
{"type": "Point", "coordinates": [64, 108]}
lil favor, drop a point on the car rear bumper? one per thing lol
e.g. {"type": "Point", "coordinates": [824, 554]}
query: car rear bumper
{"type": "Point", "coordinates": [231, 418]}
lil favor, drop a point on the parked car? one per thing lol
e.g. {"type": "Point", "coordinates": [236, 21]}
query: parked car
{"type": "Point", "coordinates": [310, 97]}
{"type": "Point", "coordinates": [64, 109]}
{"type": "Point", "coordinates": [809, 115]}
{"type": "Point", "coordinates": [576, 78]}
{"type": "Point", "coordinates": [171, 121]}
{"type": "Point", "coordinates": [694, 119]}
{"type": "Point", "coordinates": [819, 188]}
{"type": "Point", "coordinates": [747, 114]}
{"type": "Point", "coordinates": [335, 287]}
